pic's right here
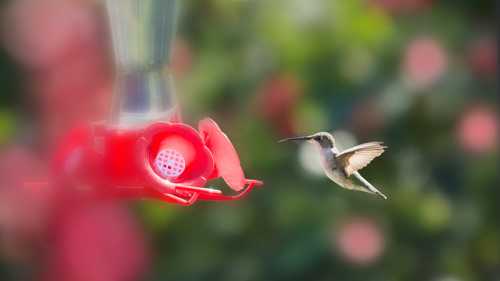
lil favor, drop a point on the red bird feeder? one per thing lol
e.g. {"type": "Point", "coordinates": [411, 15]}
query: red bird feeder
{"type": "Point", "coordinates": [171, 162]}
{"type": "Point", "coordinates": [136, 154]}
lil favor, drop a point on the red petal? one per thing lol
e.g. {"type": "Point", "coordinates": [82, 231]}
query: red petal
{"type": "Point", "coordinates": [226, 158]}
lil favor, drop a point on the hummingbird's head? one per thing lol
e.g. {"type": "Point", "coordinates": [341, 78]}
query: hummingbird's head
{"type": "Point", "coordinates": [323, 139]}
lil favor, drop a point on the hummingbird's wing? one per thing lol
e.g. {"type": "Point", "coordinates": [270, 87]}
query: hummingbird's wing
{"type": "Point", "coordinates": [356, 158]}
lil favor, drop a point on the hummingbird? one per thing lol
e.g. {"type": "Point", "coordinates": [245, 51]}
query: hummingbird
{"type": "Point", "coordinates": [339, 166]}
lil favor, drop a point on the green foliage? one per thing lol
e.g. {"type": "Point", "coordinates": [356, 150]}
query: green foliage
{"type": "Point", "coordinates": [441, 218]}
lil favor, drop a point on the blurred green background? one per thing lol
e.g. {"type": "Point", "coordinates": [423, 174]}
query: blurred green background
{"type": "Point", "coordinates": [419, 75]}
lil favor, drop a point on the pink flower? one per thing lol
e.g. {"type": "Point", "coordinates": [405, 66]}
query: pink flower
{"type": "Point", "coordinates": [60, 42]}
{"type": "Point", "coordinates": [360, 240]}
{"type": "Point", "coordinates": [42, 33]}
{"type": "Point", "coordinates": [425, 61]}
{"type": "Point", "coordinates": [25, 204]}
{"type": "Point", "coordinates": [60, 231]}
{"type": "Point", "coordinates": [95, 241]}
{"type": "Point", "coordinates": [478, 130]}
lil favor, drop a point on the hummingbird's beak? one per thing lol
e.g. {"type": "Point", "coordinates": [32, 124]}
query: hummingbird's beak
{"type": "Point", "coordinates": [296, 139]}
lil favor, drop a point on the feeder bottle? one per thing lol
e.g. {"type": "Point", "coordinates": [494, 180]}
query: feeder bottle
{"type": "Point", "coordinates": [142, 32]}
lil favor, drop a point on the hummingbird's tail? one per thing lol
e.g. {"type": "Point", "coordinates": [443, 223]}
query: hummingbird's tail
{"type": "Point", "coordinates": [368, 186]}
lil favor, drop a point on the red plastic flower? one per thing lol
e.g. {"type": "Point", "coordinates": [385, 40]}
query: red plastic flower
{"type": "Point", "coordinates": [168, 161]}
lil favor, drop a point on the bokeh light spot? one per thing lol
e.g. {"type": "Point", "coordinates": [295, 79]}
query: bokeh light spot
{"type": "Point", "coordinates": [360, 240]}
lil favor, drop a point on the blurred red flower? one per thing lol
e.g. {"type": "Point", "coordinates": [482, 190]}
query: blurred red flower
{"type": "Point", "coordinates": [425, 61]}
{"type": "Point", "coordinates": [276, 102]}
{"type": "Point", "coordinates": [367, 118]}
{"type": "Point", "coordinates": [478, 129]}
{"type": "Point", "coordinates": [483, 57]}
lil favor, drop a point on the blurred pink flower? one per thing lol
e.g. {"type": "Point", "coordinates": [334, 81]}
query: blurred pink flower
{"type": "Point", "coordinates": [61, 41]}
{"type": "Point", "coordinates": [85, 72]}
{"type": "Point", "coordinates": [360, 240]}
{"type": "Point", "coordinates": [425, 61]}
{"type": "Point", "coordinates": [483, 56]}
{"type": "Point", "coordinates": [68, 96]}
{"type": "Point", "coordinates": [42, 33]}
{"type": "Point", "coordinates": [24, 203]}
{"type": "Point", "coordinates": [96, 241]}
{"type": "Point", "coordinates": [56, 121]}
{"type": "Point", "coordinates": [276, 102]}
{"type": "Point", "coordinates": [478, 130]}
{"type": "Point", "coordinates": [62, 231]}
{"type": "Point", "coordinates": [402, 6]}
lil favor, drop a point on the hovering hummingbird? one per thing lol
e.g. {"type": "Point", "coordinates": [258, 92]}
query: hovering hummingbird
{"type": "Point", "coordinates": [339, 166]}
